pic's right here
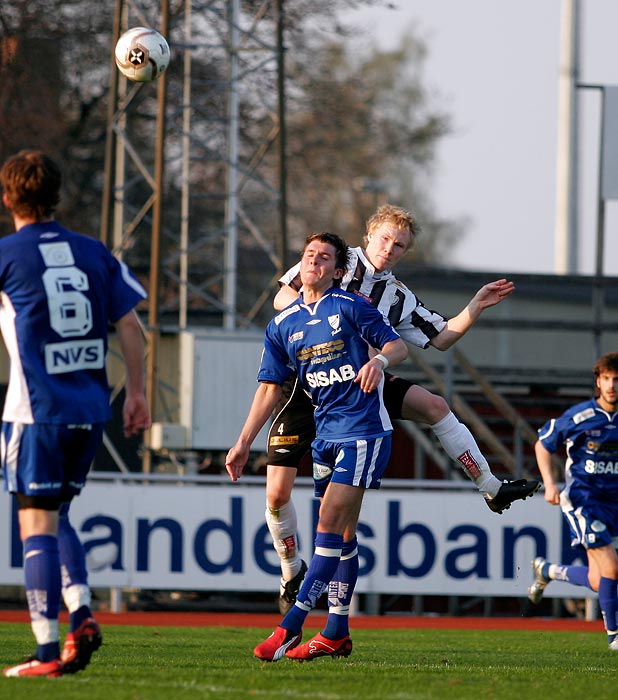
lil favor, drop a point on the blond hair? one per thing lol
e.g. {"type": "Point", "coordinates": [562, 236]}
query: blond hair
{"type": "Point", "coordinates": [399, 217]}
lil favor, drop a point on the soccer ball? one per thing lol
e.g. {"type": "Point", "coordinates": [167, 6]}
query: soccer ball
{"type": "Point", "coordinates": [142, 54]}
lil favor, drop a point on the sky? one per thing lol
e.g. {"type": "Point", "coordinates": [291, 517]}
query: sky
{"type": "Point", "coordinates": [494, 67]}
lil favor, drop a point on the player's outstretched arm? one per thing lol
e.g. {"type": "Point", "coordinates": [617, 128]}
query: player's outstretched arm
{"type": "Point", "coordinates": [135, 411]}
{"type": "Point", "coordinates": [264, 401]}
{"type": "Point", "coordinates": [488, 295]}
{"type": "Point", "coordinates": [493, 293]}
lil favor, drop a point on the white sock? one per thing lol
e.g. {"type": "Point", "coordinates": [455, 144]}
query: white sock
{"type": "Point", "coordinates": [76, 596]}
{"type": "Point", "coordinates": [459, 444]}
{"type": "Point", "coordinates": [282, 524]}
{"type": "Point", "coordinates": [45, 631]}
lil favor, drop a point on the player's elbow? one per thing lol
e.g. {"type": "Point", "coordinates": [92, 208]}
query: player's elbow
{"type": "Point", "coordinates": [444, 341]}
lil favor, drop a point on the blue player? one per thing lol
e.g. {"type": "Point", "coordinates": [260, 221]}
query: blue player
{"type": "Point", "coordinates": [58, 292]}
{"type": "Point", "coordinates": [325, 336]}
{"type": "Point", "coordinates": [589, 500]}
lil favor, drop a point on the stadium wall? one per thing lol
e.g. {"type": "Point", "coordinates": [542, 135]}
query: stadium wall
{"type": "Point", "coordinates": [205, 534]}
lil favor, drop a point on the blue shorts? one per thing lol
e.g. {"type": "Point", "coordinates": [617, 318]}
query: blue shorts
{"type": "Point", "coordinates": [355, 462]}
{"type": "Point", "coordinates": [48, 460]}
{"type": "Point", "coordinates": [593, 525]}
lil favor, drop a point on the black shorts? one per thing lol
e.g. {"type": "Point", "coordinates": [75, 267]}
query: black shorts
{"type": "Point", "coordinates": [293, 428]}
{"type": "Point", "coordinates": [395, 388]}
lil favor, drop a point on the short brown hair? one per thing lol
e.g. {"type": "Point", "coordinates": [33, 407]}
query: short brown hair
{"type": "Point", "coordinates": [342, 250]}
{"type": "Point", "coordinates": [607, 363]}
{"type": "Point", "coordinates": [31, 181]}
{"type": "Point", "coordinates": [399, 217]}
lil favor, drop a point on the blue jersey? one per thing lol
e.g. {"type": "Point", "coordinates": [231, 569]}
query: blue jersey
{"type": "Point", "coordinates": [590, 435]}
{"type": "Point", "coordinates": [327, 343]}
{"type": "Point", "coordinates": [58, 292]}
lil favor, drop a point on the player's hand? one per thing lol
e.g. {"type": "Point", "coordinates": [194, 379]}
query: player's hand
{"type": "Point", "coordinates": [370, 375]}
{"type": "Point", "coordinates": [552, 494]}
{"type": "Point", "coordinates": [135, 414]}
{"type": "Point", "coordinates": [235, 461]}
{"type": "Point", "coordinates": [494, 292]}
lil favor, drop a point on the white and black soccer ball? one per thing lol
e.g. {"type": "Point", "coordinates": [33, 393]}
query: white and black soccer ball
{"type": "Point", "coordinates": [142, 54]}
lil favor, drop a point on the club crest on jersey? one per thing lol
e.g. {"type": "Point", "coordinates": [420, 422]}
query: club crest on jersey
{"type": "Point", "coordinates": [333, 322]}
{"type": "Point", "coordinates": [57, 254]}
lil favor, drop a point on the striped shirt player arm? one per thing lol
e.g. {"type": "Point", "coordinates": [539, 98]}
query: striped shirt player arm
{"type": "Point", "coordinates": [414, 322]}
{"type": "Point", "coordinates": [292, 278]}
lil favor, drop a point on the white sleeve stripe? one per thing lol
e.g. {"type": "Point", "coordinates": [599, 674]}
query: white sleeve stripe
{"type": "Point", "coordinates": [550, 429]}
{"type": "Point", "coordinates": [131, 281]}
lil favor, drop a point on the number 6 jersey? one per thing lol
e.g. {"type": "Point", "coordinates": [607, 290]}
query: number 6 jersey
{"type": "Point", "coordinates": [59, 290]}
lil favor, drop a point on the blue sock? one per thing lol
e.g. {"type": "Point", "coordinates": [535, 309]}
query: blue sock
{"type": "Point", "coordinates": [73, 562]}
{"type": "Point", "coordinates": [42, 581]}
{"type": "Point", "coordinates": [577, 575]}
{"type": "Point", "coordinates": [608, 601]}
{"type": "Point", "coordinates": [340, 591]}
{"type": "Point", "coordinates": [321, 570]}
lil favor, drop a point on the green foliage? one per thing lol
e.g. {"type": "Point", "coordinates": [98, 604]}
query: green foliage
{"type": "Point", "coordinates": [54, 67]}
{"type": "Point", "coordinates": [362, 130]}
{"type": "Point", "coordinates": [152, 663]}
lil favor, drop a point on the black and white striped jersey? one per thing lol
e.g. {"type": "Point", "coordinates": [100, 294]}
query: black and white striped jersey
{"type": "Point", "coordinates": [415, 323]}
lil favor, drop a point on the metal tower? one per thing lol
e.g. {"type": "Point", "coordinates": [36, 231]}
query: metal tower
{"type": "Point", "coordinates": [194, 191]}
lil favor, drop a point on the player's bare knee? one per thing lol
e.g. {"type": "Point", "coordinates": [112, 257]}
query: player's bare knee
{"type": "Point", "coordinates": [432, 408]}
{"type": "Point", "coordinates": [275, 500]}
{"type": "Point", "coordinates": [439, 409]}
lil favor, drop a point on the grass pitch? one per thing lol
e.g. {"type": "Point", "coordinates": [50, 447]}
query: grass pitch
{"type": "Point", "coordinates": [189, 663]}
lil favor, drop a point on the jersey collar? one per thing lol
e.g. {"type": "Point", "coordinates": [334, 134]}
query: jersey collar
{"type": "Point", "coordinates": [375, 274]}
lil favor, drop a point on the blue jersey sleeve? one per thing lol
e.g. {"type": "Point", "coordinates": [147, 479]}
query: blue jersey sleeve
{"type": "Point", "coordinates": [571, 424]}
{"type": "Point", "coordinates": [125, 291]}
{"type": "Point", "coordinates": [275, 366]}
{"type": "Point", "coordinates": [550, 436]}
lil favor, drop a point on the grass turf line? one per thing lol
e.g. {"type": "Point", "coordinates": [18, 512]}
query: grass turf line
{"type": "Point", "coordinates": [182, 663]}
